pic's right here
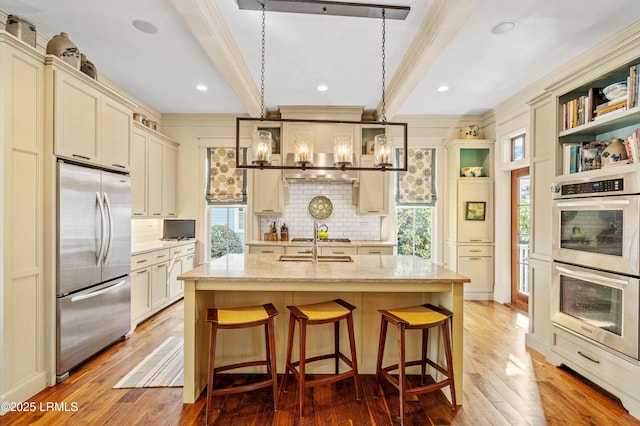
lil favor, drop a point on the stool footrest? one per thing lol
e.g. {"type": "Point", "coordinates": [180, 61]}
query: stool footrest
{"type": "Point", "coordinates": [242, 388]}
{"type": "Point", "coordinates": [242, 365]}
{"type": "Point", "coordinates": [416, 390]}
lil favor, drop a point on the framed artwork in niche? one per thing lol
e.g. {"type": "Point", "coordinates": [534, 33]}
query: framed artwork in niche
{"type": "Point", "coordinates": [476, 210]}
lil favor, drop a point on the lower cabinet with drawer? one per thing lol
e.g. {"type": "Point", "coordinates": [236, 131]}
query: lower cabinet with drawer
{"type": "Point", "coordinates": [617, 374]}
{"type": "Point", "coordinates": [476, 262]}
{"type": "Point", "coordinates": [386, 250]}
{"type": "Point", "coordinates": [154, 283]}
{"type": "Point", "coordinates": [339, 250]}
{"type": "Point", "coordinates": [274, 249]}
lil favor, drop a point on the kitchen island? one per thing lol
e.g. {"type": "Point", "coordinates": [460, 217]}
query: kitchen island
{"type": "Point", "coordinates": [370, 282]}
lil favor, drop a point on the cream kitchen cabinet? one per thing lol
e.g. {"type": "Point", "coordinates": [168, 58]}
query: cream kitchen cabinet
{"type": "Point", "coordinates": [337, 250]}
{"type": "Point", "coordinates": [154, 283]}
{"type": "Point", "coordinates": [469, 228]}
{"type": "Point", "coordinates": [476, 262]}
{"type": "Point", "coordinates": [25, 279]}
{"type": "Point", "coordinates": [268, 190]}
{"type": "Point", "coordinates": [153, 173]}
{"type": "Point", "coordinates": [182, 260]}
{"type": "Point", "coordinates": [269, 249]}
{"type": "Point", "coordinates": [372, 190]}
{"type": "Point", "coordinates": [298, 250]}
{"type": "Point", "coordinates": [373, 249]}
{"type": "Point", "coordinates": [90, 123]}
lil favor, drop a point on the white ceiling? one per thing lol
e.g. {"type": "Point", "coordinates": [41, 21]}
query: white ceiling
{"type": "Point", "coordinates": [442, 42]}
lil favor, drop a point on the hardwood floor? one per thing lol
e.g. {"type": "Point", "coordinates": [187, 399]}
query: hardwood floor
{"type": "Point", "coordinates": [504, 384]}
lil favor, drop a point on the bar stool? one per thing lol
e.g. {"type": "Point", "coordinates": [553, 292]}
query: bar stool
{"type": "Point", "coordinates": [423, 318]}
{"type": "Point", "coordinates": [243, 317]}
{"type": "Point", "coordinates": [321, 313]}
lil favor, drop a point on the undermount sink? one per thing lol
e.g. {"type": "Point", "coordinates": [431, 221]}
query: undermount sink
{"type": "Point", "coordinates": [308, 258]}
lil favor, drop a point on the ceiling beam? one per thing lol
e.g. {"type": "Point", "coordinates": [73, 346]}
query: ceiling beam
{"type": "Point", "coordinates": [442, 22]}
{"type": "Point", "coordinates": [208, 26]}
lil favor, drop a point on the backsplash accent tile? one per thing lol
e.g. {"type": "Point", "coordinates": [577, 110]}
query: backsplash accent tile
{"type": "Point", "coordinates": [343, 222]}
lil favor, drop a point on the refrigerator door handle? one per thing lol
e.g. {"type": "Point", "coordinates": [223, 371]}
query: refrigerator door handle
{"type": "Point", "coordinates": [110, 229]}
{"type": "Point", "coordinates": [97, 293]}
{"type": "Point", "coordinates": [103, 229]}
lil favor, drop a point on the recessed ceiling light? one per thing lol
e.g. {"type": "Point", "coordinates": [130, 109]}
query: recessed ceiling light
{"type": "Point", "coordinates": [443, 88]}
{"type": "Point", "coordinates": [202, 87]}
{"type": "Point", "coordinates": [323, 88]}
{"type": "Point", "coordinates": [504, 27]}
{"type": "Point", "coordinates": [144, 26]}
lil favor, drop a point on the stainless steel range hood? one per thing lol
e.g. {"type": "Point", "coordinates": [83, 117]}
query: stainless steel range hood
{"type": "Point", "coordinates": [320, 159]}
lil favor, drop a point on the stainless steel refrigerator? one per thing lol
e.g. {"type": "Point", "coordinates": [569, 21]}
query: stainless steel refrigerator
{"type": "Point", "coordinates": [93, 288]}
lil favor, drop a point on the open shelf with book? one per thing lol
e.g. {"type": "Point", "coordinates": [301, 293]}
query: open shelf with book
{"type": "Point", "coordinates": [591, 116]}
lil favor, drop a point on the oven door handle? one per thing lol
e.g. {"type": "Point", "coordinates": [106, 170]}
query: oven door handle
{"type": "Point", "coordinates": [593, 203]}
{"type": "Point", "coordinates": [591, 276]}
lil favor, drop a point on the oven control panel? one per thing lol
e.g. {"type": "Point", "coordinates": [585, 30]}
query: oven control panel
{"type": "Point", "coordinates": [609, 185]}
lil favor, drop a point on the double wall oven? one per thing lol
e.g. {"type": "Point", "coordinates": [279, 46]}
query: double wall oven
{"type": "Point", "coordinates": [596, 269]}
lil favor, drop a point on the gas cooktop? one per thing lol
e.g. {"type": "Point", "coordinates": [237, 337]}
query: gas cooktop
{"type": "Point", "coordinates": [326, 240]}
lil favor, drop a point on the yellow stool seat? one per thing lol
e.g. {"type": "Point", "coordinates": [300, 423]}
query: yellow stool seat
{"type": "Point", "coordinates": [418, 315]}
{"type": "Point", "coordinates": [242, 315]}
{"type": "Point", "coordinates": [323, 311]}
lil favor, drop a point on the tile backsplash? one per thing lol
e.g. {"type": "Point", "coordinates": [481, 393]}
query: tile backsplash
{"type": "Point", "coordinates": [343, 222]}
{"type": "Point", "coordinates": [145, 230]}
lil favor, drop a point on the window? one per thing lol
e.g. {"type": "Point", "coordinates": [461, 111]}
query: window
{"type": "Point", "coordinates": [227, 230]}
{"type": "Point", "coordinates": [227, 197]}
{"type": "Point", "coordinates": [415, 199]}
{"type": "Point", "coordinates": [414, 226]}
{"type": "Point", "coordinates": [517, 148]}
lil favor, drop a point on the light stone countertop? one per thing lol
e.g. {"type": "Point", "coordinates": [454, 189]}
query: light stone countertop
{"type": "Point", "coordinates": [261, 268]}
{"type": "Point", "coordinates": [147, 246]}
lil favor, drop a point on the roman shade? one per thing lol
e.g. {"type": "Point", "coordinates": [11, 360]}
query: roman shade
{"type": "Point", "coordinates": [417, 185]}
{"type": "Point", "coordinates": [226, 183]}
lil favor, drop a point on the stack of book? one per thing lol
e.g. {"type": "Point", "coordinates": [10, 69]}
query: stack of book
{"type": "Point", "coordinates": [631, 146]}
{"type": "Point", "coordinates": [580, 111]}
{"type": "Point", "coordinates": [610, 106]}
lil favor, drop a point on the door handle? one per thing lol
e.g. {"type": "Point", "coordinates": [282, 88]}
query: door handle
{"type": "Point", "coordinates": [102, 229]}
{"type": "Point", "coordinates": [97, 293]}
{"type": "Point", "coordinates": [110, 217]}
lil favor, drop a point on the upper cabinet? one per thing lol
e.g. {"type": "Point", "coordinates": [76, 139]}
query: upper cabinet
{"type": "Point", "coordinates": [372, 190]}
{"type": "Point", "coordinates": [268, 191]}
{"type": "Point", "coordinates": [593, 114]}
{"type": "Point", "coordinates": [91, 123]}
{"type": "Point", "coordinates": [153, 173]}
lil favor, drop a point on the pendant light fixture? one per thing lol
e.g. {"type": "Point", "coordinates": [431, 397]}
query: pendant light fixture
{"type": "Point", "coordinates": [344, 157]}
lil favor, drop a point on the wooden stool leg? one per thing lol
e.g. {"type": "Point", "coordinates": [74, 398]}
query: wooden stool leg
{"type": "Point", "coordinates": [402, 378]}
{"type": "Point", "coordinates": [336, 345]}
{"type": "Point", "coordinates": [381, 344]}
{"type": "Point", "coordinates": [303, 355]}
{"type": "Point", "coordinates": [212, 355]}
{"type": "Point", "coordinates": [423, 360]}
{"type": "Point", "coordinates": [271, 359]}
{"type": "Point", "coordinates": [354, 357]}
{"type": "Point", "coordinates": [449, 357]}
{"type": "Point", "coordinates": [287, 369]}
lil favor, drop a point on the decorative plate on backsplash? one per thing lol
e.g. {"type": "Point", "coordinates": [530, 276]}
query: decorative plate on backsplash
{"type": "Point", "coordinates": [320, 207]}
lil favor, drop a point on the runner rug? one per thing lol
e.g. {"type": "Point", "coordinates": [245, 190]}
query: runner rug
{"type": "Point", "coordinates": [161, 368]}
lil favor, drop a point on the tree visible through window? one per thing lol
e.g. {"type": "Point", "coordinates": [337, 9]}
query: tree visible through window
{"type": "Point", "coordinates": [227, 230]}
{"type": "Point", "coordinates": [414, 231]}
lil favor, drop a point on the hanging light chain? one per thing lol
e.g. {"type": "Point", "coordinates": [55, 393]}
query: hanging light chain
{"type": "Point", "coordinates": [384, 30]}
{"type": "Point", "coordinates": [262, 66]}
